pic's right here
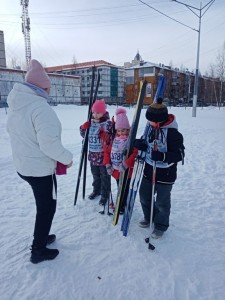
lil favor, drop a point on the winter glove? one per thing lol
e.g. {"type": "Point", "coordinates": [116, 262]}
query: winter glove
{"type": "Point", "coordinates": [86, 125]}
{"type": "Point", "coordinates": [158, 156]}
{"type": "Point", "coordinates": [141, 145]}
{"type": "Point", "coordinates": [122, 167]}
{"type": "Point", "coordinates": [60, 168]}
{"type": "Point", "coordinates": [109, 169]}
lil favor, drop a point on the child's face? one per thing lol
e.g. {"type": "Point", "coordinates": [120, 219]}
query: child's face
{"type": "Point", "coordinates": [123, 131]}
{"type": "Point", "coordinates": [97, 115]}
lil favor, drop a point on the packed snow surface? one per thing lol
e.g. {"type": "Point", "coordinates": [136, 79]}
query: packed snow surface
{"type": "Point", "coordinates": [96, 262]}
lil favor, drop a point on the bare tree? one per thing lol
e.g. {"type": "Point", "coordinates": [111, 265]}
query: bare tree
{"type": "Point", "coordinates": [74, 60]}
{"type": "Point", "coordinates": [171, 64]}
{"type": "Point", "coordinates": [14, 63]}
{"type": "Point", "coordinates": [211, 73]}
{"type": "Point", "coordinates": [220, 69]}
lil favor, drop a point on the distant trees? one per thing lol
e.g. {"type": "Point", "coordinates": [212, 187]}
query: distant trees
{"type": "Point", "coordinates": [15, 63]}
{"type": "Point", "coordinates": [220, 70]}
{"type": "Point", "coordinates": [217, 71]}
{"type": "Point", "coordinates": [74, 60]}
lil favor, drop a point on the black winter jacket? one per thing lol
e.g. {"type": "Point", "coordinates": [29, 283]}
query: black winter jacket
{"type": "Point", "coordinates": [174, 154]}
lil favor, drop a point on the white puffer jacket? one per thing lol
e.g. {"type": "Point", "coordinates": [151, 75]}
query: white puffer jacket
{"type": "Point", "coordinates": [35, 133]}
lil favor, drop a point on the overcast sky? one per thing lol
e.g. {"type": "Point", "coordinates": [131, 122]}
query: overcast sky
{"type": "Point", "coordinates": [114, 31]}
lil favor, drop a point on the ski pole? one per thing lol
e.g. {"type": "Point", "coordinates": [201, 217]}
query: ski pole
{"type": "Point", "coordinates": [93, 99]}
{"type": "Point", "coordinates": [109, 213]}
{"type": "Point", "coordinates": [85, 141]}
{"type": "Point", "coordinates": [155, 148]}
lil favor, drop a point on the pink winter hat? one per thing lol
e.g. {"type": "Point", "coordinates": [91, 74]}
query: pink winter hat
{"type": "Point", "coordinates": [99, 106]}
{"type": "Point", "coordinates": [121, 119]}
{"type": "Point", "coordinates": [36, 75]}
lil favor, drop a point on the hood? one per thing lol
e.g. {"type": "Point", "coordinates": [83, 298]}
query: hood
{"type": "Point", "coordinates": [21, 96]}
{"type": "Point", "coordinates": [171, 123]}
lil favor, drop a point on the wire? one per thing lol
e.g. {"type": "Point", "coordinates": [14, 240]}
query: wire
{"type": "Point", "coordinates": [167, 15]}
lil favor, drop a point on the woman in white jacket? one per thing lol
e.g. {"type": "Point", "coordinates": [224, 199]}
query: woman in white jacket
{"type": "Point", "coordinates": [35, 135]}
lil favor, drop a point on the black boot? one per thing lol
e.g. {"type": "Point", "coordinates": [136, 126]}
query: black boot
{"type": "Point", "coordinates": [103, 200]}
{"type": "Point", "coordinates": [93, 195]}
{"type": "Point", "coordinates": [42, 254]}
{"type": "Point", "coordinates": [51, 238]}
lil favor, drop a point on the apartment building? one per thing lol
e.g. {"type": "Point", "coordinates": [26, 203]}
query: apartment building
{"type": "Point", "coordinates": [65, 89]}
{"type": "Point", "coordinates": [179, 88]}
{"type": "Point", "coordinates": [112, 79]}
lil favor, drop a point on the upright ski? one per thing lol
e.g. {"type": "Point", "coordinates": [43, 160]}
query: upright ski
{"type": "Point", "coordinates": [138, 168]}
{"type": "Point", "coordinates": [160, 88]}
{"type": "Point", "coordinates": [132, 136]}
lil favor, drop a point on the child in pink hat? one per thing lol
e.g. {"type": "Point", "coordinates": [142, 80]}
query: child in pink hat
{"type": "Point", "coordinates": [100, 131]}
{"type": "Point", "coordinates": [113, 154]}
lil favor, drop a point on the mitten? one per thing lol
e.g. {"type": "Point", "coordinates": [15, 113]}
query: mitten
{"type": "Point", "coordinates": [158, 156]}
{"type": "Point", "coordinates": [60, 168]}
{"type": "Point", "coordinates": [122, 167]}
{"type": "Point", "coordinates": [141, 145]}
{"type": "Point", "coordinates": [86, 125]}
{"type": "Point", "coordinates": [109, 169]}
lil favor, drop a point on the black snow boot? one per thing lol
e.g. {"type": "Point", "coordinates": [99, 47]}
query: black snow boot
{"type": "Point", "coordinates": [103, 200]}
{"type": "Point", "coordinates": [42, 254]}
{"type": "Point", "coordinates": [93, 195]}
{"type": "Point", "coordinates": [51, 238]}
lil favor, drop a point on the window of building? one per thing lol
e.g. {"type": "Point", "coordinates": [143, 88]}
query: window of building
{"type": "Point", "coordinates": [130, 80]}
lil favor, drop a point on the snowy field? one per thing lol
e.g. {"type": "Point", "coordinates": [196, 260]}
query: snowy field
{"type": "Point", "coordinates": [96, 262]}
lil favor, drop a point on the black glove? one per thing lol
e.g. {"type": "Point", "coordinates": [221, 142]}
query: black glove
{"type": "Point", "coordinates": [158, 156]}
{"type": "Point", "coordinates": [140, 144]}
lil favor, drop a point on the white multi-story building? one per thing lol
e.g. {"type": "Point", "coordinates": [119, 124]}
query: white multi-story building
{"type": "Point", "coordinates": [112, 78]}
{"type": "Point", "coordinates": [64, 88]}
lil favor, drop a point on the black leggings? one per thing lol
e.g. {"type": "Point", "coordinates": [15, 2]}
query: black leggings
{"type": "Point", "coordinates": [44, 190]}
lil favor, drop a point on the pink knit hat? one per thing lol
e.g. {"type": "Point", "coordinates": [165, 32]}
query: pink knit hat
{"type": "Point", "coordinates": [99, 106]}
{"type": "Point", "coordinates": [121, 119]}
{"type": "Point", "coordinates": [36, 75]}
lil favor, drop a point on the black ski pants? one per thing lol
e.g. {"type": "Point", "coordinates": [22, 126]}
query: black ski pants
{"type": "Point", "coordinates": [101, 181]}
{"type": "Point", "coordinates": [162, 203]}
{"type": "Point", "coordinates": [44, 190]}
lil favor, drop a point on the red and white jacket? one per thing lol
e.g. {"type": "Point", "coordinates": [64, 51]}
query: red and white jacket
{"type": "Point", "coordinates": [114, 153]}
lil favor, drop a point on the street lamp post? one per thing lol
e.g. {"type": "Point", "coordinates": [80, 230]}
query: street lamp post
{"type": "Point", "coordinates": [200, 15]}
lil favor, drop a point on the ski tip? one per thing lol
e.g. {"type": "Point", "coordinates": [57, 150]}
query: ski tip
{"type": "Point", "coordinates": [151, 247]}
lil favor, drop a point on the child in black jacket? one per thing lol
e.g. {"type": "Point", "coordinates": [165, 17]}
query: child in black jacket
{"type": "Point", "coordinates": [163, 147]}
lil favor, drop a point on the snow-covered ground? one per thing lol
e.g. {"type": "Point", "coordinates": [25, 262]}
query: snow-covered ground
{"type": "Point", "coordinates": [95, 260]}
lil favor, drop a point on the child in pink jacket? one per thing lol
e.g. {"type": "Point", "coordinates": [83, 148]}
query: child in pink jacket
{"type": "Point", "coordinates": [100, 130]}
